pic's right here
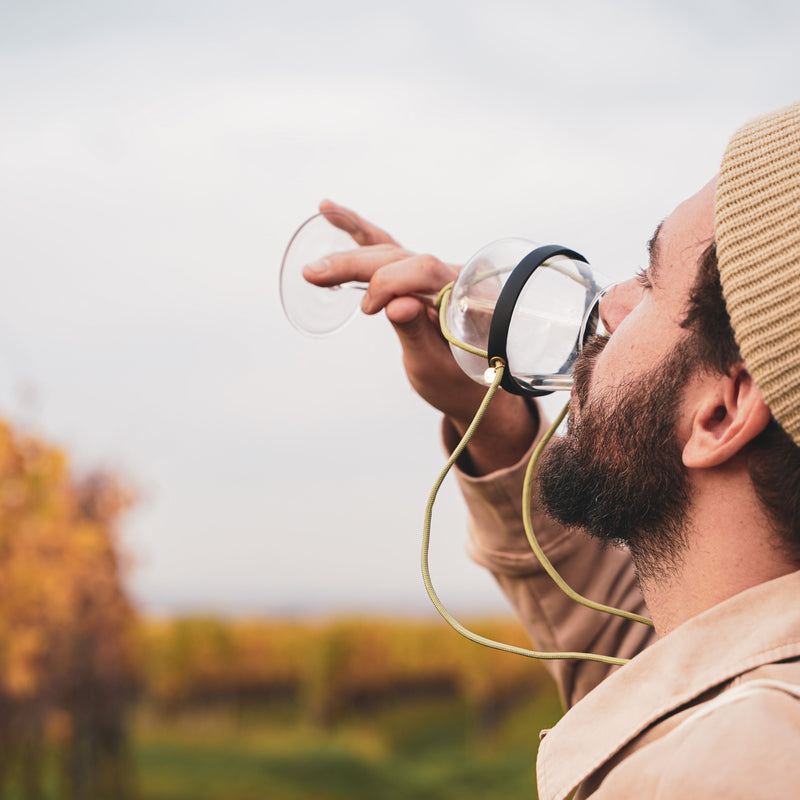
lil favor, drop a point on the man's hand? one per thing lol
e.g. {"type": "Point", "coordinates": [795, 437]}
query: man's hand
{"type": "Point", "coordinates": [394, 276]}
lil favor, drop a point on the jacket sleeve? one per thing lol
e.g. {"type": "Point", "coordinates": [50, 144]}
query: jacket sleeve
{"type": "Point", "coordinates": [553, 621]}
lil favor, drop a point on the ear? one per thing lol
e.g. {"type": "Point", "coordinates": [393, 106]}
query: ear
{"type": "Point", "coordinates": [728, 412]}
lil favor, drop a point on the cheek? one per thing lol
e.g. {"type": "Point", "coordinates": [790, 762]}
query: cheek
{"type": "Point", "coordinates": [633, 349]}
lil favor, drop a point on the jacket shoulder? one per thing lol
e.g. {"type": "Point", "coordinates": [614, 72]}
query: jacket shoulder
{"type": "Point", "coordinates": [743, 743]}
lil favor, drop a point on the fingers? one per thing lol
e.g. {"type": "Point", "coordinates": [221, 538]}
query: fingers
{"type": "Point", "coordinates": [416, 274]}
{"type": "Point", "coordinates": [353, 265]}
{"type": "Point", "coordinates": [389, 271]}
{"type": "Point", "coordinates": [406, 311]}
{"type": "Point", "coordinates": [362, 231]}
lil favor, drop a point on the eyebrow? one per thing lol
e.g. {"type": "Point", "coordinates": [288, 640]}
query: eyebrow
{"type": "Point", "coordinates": [653, 250]}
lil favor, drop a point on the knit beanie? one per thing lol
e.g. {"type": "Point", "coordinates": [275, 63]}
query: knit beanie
{"type": "Point", "coordinates": [758, 252]}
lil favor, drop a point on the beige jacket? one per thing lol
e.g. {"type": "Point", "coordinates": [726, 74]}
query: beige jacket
{"type": "Point", "coordinates": [711, 710]}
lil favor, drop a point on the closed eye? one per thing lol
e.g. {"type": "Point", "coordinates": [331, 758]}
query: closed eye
{"type": "Point", "coordinates": [643, 278]}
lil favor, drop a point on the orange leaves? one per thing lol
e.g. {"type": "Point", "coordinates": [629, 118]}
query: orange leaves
{"type": "Point", "coordinates": [61, 599]}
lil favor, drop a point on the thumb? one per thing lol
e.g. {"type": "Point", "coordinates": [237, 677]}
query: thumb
{"type": "Point", "coordinates": [417, 327]}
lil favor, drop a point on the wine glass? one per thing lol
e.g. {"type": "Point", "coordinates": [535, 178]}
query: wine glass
{"type": "Point", "coordinates": [553, 315]}
{"type": "Point", "coordinates": [318, 310]}
{"type": "Point", "coordinates": [323, 310]}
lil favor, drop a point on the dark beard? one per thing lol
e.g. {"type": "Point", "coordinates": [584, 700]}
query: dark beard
{"type": "Point", "coordinates": [618, 472]}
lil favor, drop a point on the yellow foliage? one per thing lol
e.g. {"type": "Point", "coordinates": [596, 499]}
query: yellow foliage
{"type": "Point", "coordinates": [64, 617]}
{"type": "Point", "coordinates": [330, 664]}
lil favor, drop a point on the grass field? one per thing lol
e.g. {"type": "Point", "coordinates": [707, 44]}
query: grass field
{"type": "Point", "coordinates": [432, 750]}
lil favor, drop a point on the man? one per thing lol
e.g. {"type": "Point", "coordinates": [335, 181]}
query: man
{"type": "Point", "coordinates": [683, 446]}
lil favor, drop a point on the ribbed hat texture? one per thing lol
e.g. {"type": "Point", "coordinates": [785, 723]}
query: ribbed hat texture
{"type": "Point", "coordinates": [758, 251]}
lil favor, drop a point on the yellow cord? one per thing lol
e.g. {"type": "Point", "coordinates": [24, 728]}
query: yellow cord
{"type": "Point", "coordinates": [535, 546]}
{"type": "Point", "coordinates": [441, 303]}
{"type": "Point", "coordinates": [474, 637]}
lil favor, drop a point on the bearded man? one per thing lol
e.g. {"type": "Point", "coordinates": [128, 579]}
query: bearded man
{"type": "Point", "coordinates": [682, 447]}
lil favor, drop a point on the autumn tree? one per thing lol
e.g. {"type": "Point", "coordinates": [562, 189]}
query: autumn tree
{"type": "Point", "coordinates": [67, 660]}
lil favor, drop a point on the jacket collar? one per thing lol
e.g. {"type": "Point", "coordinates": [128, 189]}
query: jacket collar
{"type": "Point", "coordinates": [705, 651]}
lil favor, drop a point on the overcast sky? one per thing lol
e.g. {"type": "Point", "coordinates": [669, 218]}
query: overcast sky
{"type": "Point", "coordinates": [155, 157]}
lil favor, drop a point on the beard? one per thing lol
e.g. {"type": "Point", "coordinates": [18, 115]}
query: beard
{"type": "Point", "coordinates": [618, 473]}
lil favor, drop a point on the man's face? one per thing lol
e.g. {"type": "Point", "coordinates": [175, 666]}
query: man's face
{"type": "Point", "coordinates": [618, 471]}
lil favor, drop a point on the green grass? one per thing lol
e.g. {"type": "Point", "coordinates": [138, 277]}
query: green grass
{"type": "Point", "coordinates": [417, 751]}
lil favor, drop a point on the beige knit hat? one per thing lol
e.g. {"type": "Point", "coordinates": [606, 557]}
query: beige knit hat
{"type": "Point", "coordinates": [758, 250]}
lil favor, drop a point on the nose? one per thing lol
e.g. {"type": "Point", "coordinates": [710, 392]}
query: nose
{"type": "Point", "coordinates": [617, 302]}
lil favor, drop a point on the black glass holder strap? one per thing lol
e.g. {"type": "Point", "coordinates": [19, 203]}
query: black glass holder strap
{"type": "Point", "coordinates": [507, 301]}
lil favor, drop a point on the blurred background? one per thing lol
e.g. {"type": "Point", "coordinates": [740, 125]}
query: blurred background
{"type": "Point", "coordinates": [205, 513]}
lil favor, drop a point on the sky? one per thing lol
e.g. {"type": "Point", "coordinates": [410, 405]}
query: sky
{"type": "Point", "coordinates": [155, 158]}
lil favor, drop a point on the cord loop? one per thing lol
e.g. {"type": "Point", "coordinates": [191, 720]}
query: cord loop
{"type": "Point", "coordinates": [526, 512]}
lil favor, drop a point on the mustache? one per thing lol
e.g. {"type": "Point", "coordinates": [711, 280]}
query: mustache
{"type": "Point", "coordinates": [584, 367]}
